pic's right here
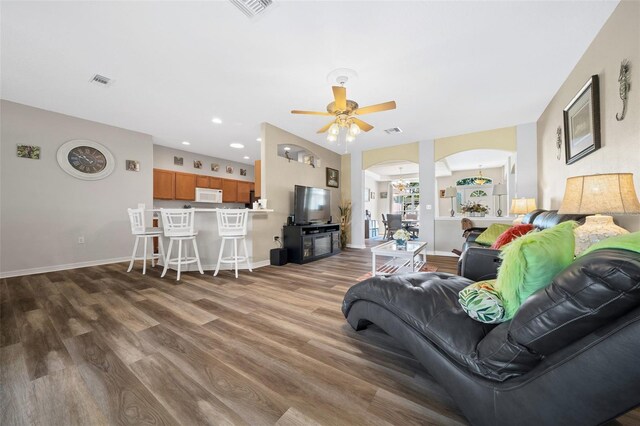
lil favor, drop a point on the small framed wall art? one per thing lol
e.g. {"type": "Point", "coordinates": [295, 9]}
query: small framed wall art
{"type": "Point", "coordinates": [215, 167]}
{"type": "Point", "coordinates": [230, 170]}
{"type": "Point", "coordinates": [333, 178]}
{"type": "Point", "coordinates": [384, 195]}
{"type": "Point", "coordinates": [178, 161]}
{"type": "Point", "coordinates": [197, 164]}
{"type": "Point", "coordinates": [133, 165]}
{"type": "Point", "coordinates": [243, 172]}
{"type": "Point", "coordinates": [28, 151]}
{"type": "Point", "coordinates": [582, 122]}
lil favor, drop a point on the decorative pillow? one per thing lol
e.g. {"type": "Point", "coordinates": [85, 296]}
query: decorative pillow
{"type": "Point", "coordinates": [531, 261]}
{"type": "Point", "coordinates": [491, 234]}
{"type": "Point", "coordinates": [482, 303]}
{"type": "Point", "coordinates": [511, 234]}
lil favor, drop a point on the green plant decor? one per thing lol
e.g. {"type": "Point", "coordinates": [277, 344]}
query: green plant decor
{"type": "Point", "coordinates": [345, 221]}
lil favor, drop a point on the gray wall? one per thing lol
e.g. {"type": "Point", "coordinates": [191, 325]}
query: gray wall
{"type": "Point", "coordinates": [45, 210]}
{"type": "Point", "coordinates": [163, 159]}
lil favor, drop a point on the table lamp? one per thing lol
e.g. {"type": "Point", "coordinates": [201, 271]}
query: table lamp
{"type": "Point", "coordinates": [522, 206]}
{"type": "Point", "coordinates": [451, 192]}
{"type": "Point", "coordinates": [612, 193]}
{"type": "Point", "coordinates": [499, 189]}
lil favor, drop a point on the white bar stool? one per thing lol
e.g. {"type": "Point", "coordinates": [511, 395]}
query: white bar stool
{"type": "Point", "coordinates": [179, 226]}
{"type": "Point", "coordinates": [136, 218]}
{"type": "Point", "coordinates": [232, 225]}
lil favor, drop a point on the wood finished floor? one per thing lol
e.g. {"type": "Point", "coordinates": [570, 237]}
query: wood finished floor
{"type": "Point", "coordinates": [102, 346]}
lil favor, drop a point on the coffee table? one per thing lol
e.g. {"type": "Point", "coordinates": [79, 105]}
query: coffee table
{"type": "Point", "coordinates": [402, 259]}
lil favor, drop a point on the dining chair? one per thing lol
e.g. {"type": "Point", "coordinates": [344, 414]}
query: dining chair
{"type": "Point", "coordinates": [386, 227]}
{"type": "Point", "coordinates": [394, 223]}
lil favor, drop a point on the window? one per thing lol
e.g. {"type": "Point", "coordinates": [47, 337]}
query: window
{"type": "Point", "coordinates": [408, 200]}
{"type": "Point", "coordinates": [478, 193]}
{"type": "Point", "coordinates": [472, 181]}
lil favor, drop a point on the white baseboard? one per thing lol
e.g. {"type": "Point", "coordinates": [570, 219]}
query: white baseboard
{"type": "Point", "coordinates": [53, 268]}
{"type": "Point", "coordinates": [356, 246]}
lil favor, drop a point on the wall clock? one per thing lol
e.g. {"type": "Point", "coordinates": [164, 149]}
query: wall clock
{"type": "Point", "coordinates": [86, 160]}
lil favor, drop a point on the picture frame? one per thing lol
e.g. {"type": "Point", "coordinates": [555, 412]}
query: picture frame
{"type": "Point", "coordinates": [230, 170]}
{"type": "Point", "coordinates": [582, 122]}
{"type": "Point", "coordinates": [178, 161]}
{"type": "Point", "coordinates": [132, 165]}
{"type": "Point", "coordinates": [197, 164]}
{"type": "Point", "coordinates": [373, 195]}
{"type": "Point", "coordinates": [215, 167]}
{"type": "Point", "coordinates": [243, 172]}
{"type": "Point", "coordinates": [442, 193]}
{"type": "Point", "coordinates": [384, 195]}
{"type": "Point", "coordinates": [333, 178]}
{"type": "Point", "coordinates": [367, 194]}
{"type": "Point", "coordinates": [28, 151]}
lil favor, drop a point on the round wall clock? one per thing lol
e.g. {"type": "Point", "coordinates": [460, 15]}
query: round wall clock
{"type": "Point", "coordinates": [86, 160]}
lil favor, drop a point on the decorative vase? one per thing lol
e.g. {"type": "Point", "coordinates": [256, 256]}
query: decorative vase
{"type": "Point", "coordinates": [401, 244]}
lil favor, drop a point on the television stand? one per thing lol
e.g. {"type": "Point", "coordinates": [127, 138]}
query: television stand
{"type": "Point", "coordinates": [306, 243]}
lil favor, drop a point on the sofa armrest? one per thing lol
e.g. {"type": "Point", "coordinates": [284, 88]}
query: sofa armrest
{"type": "Point", "coordinates": [479, 263]}
{"type": "Point", "coordinates": [472, 233]}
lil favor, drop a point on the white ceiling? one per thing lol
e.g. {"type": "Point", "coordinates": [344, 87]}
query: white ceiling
{"type": "Point", "coordinates": [452, 67]}
{"type": "Point", "coordinates": [394, 168]}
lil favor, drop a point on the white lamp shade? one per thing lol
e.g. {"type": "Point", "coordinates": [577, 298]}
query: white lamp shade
{"type": "Point", "coordinates": [450, 192]}
{"type": "Point", "coordinates": [523, 205]}
{"type": "Point", "coordinates": [612, 193]}
{"type": "Point", "coordinates": [499, 189]}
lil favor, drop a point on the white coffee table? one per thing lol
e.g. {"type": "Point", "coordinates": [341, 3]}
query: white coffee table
{"type": "Point", "coordinates": [407, 259]}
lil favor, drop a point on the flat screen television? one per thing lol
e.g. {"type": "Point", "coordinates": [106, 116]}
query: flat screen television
{"type": "Point", "coordinates": [311, 205]}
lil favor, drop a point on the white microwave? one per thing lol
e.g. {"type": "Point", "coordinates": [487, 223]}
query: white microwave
{"type": "Point", "coordinates": [206, 195]}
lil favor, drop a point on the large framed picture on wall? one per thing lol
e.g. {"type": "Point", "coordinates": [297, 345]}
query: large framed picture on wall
{"type": "Point", "coordinates": [582, 122]}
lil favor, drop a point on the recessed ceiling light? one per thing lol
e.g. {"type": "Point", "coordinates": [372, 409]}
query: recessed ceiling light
{"type": "Point", "coordinates": [216, 120]}
{"type": "Point", "coordinates": [246, 157]}
{"type": "Point", "coordinates": [236, 145]}
{"type": "Point", "coordinates": [186, 143]}
{"type": "Point", "coordinates": [286, 148]}
{"type": "Point", "coordinates": [259, 139]}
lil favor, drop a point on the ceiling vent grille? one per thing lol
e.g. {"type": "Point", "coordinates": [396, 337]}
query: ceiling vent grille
{"type": "Point", "coordinates": [393, 130]}
{"type": "Point", "coordinates": [101, 80]}
{"type": "Point", "coordinates": [252, 8]}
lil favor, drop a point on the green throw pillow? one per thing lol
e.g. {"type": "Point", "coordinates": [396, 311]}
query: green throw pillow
{"type": "Point", "coordinates": [530, 262]}
{"type": "Point", "coordinates": [482, 302]}
{"type": "Point", "coordinates": [629, 242]}
{"type": "Point", "coordinates": [491, 234]}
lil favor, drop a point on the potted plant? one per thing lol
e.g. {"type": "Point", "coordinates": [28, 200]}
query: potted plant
{"type": "Point", "coordinates": [401, 236]}
{"type": "Point", "coordinates": [473, 209]}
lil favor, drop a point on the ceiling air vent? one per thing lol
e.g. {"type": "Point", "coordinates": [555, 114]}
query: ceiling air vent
{"type": "Point", "coordinates": [393, 130]}
{"type": "Point", "coordinates": [101, 80]}
{"type": "Point", "coordinates": [252, 8]}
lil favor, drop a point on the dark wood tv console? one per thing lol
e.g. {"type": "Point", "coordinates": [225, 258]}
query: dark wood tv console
{"type": "Point", "coordinates": [306, 243]}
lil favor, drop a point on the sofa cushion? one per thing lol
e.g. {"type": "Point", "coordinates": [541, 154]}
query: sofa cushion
{"type": "Point", "coordinates": [531, 261]}
{"type": "Point", "coordinates": [596, 289]}
{"type": "Point", "coordinates": [482, 302]}
{"type": "Point", "coordinates": [511, 234]}
{"type": "Point", "coordinates": [491, 234]}
{"type": "Point", "coordinates": [427, 302]}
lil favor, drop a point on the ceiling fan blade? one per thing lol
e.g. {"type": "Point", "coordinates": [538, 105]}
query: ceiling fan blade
{"type": "Point", "coordinates": [295, 111]}
{"type": "Point", "coordinates": [340, 95]}
{"type": "Point", "coordinates": [365, 127]}
{"type": "Point", "coordinates": [325, 128]}
{"type": "Point", "coordinates": [376, 108]}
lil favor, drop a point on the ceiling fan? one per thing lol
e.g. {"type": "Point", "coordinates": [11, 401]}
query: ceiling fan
{"type": "Point", "coordinates": [346, 112]}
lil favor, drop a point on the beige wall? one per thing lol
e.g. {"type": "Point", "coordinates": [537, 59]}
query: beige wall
{"type": "Point", "coordinates": [279, 177]}
{"type": "Point", "coordinates": [45, 210]}
{"type": "Point", "coordinates": [504, 139]}
{"type": "Point", "coordinates": [619, 38]}
{"type": "Point", "coordinates": [408, 152]}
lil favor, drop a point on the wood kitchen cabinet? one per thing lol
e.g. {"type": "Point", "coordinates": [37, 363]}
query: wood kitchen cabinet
{"type": "Point", "coordinates": [202, 181]}
{"type": "Point", "coordinates": [163, 184]}
{"type": "Point", "coordinates": [185, 186]}
{"type": "Point", "coordinates": [215, 183]}
{"type": "Point", "coordinates": [257, 173]}
{"type": "Point", "coordinates": [229, 191]}
{"type": "Point", "coordinates": [243, 192]}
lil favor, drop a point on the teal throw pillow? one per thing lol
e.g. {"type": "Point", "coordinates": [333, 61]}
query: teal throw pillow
{"type": "Point", "coordinates": [530, 262]}
{"type": "Point", "coordinates": [491, 234]}
{"type": "Point", "coordinates": [482, 302]}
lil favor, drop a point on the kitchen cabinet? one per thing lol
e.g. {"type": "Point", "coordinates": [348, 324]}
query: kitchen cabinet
{"type": "Point", "coordinates": [257, 177]}
{"type": "Point", "coordinates": [185, 186]}
{"type": "Point", "coordinates": [163, 184]}
{"type": "Point", "coordinates": [215, 183]}
{"type": "Point", "coordinates": [243, 192]}
{"type": "Point", "coordinates": [229, 191]}
{"type": "Point", "coordinates": [202, 181]}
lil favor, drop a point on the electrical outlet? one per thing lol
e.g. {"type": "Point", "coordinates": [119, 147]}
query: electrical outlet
{"type": "Point", "coordinates": [276, 238]}
{"type": "Point", "coordinates": [80, 240]}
